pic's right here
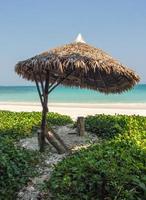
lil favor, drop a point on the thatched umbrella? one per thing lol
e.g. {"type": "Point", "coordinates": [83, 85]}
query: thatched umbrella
{"type": "Point", "coordinates": [77, 64]}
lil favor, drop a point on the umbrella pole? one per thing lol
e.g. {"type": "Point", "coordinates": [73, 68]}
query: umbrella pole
{"type": "Point", "coordinates": [43, 130]}
{"type": "Point", "coordinates": [44, 115]}
{"type": "Point", "coordinates": [52, 137]}
{"type": "Point", "coordinates": [42, 133]}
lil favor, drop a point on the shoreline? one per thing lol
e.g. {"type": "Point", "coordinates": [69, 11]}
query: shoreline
{"type": "Point", "coordinates": [80, 105]}
{"type": "Point", "coordinates": [78, 109]}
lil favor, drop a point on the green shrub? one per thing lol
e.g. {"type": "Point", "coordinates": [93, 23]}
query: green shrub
{"type": "Point", "coordinates": [114, 169]}
{"type": "Point", "coordinates": [58, 119]}
{"type": "Point", "coordinates": [21, 124]}
{"type": "Point", "coordinates": [17, 164]}
{"type": "Point", "coordinates": [107, 126]}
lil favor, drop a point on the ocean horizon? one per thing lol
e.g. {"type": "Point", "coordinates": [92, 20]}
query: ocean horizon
{"type": "Point", "coordinates": [72, 95]}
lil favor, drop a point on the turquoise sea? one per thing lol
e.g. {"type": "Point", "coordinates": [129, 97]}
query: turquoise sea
{"type": "Point", "coordinates": [72, 95]}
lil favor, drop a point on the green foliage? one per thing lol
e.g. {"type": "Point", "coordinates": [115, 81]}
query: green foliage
{"type": "Point", "coordinates": [17, 164]}
{"type": "Point", "coordinates": [22, 124]}
{"type": "Point", "coordinates": [115, 169]}
{"type": "Point", "coordinates": [107, 126]}
{"type": "Point", "coordinates": [58, 120]}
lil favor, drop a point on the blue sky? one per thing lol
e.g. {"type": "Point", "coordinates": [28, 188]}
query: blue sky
{"type": "Point", "coordinates": [28, 27]}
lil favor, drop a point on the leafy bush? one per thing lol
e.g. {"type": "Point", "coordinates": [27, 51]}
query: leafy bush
{"type": "Point", "coordinates": [58, 119]}
{"type": "Point", "coordinates": [21, 124]}
{"type": "Point", "coordinates": [112, 170]}
{"type": "Point", "coordinates": [16, 164]}
{"type": "Point", "coordinates": [115, 169]}
{"type": "Point", "coordinates": [107, 126]}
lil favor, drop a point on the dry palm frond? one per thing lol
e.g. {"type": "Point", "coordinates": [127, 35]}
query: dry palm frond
{"type": "Point", "coordinates": [89, 67]}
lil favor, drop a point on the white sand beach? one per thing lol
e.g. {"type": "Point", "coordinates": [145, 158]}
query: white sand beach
{"type": "Point", "coordinates": [75, 109]}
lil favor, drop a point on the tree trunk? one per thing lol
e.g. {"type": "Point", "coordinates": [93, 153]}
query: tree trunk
{"type": "Point", "coordinates": [43, 130]}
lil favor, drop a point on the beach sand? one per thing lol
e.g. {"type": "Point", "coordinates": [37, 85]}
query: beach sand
{"type": "Point", "coordinates": [75, 109]}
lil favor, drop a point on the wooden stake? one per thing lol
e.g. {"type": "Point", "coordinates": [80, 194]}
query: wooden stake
{"type": "Point", "coordinates": [38, 89]}
{"type": "Point", "coordinates": [81, 126]}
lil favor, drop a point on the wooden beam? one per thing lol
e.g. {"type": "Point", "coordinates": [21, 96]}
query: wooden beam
{"type": "Point", "coordinates": [38, 89]}
{"type": "Point", "coordinates": [47, 89]}
{"type": "Point", "coordinates": [42, 86]}
{"type": "Point", "coordinates": [53, 83]}
{"type": "Point", "coordinates": [41, 82]}
{"type": "Point", "coordinates": [54, 142]}
{"type": "Point", "coordinates": [60, 81]}
{"type": "Point", "coordinates": [58, 138]}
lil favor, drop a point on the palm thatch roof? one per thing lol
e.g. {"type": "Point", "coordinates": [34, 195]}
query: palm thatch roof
{"type": "Point", "coordinates": [80, 65]}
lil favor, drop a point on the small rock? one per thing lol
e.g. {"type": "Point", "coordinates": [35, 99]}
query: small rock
{"type": "Point", "coordinates": [30, 143]}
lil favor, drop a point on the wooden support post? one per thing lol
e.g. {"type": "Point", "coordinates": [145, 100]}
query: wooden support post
{"type": "Point", "coordinates": [59, 140]}
{"type": "Point", "coordinates": [55, 143]}
{"type": "Point", "coordinates": [44, 90]}
{"type": "Point", "coordinates": [43, 129]}
{"type": "Point", "coordinates": [44, 114]}
{"type": "Point", "coordinates": [81, 126]}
